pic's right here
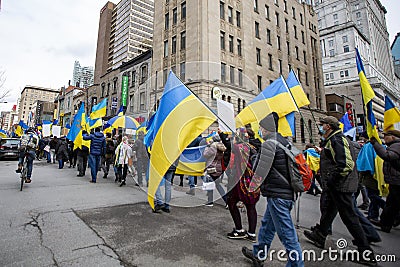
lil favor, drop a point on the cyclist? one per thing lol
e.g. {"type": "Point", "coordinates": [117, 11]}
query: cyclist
{"type": "Point", "coordinates": [28, 144]}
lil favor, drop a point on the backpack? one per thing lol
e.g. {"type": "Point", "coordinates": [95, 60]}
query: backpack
{"type": "Point", "coordinates": [300, 173]}
{"type": "Point", "coordinates": [110, 148]}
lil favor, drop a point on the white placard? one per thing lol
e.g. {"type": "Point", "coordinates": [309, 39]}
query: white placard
{"type": "Point", "coordinates": [226, 116]}
{"type": "Point", "coordinates": [46, 130]}
{"type": "Point", "coordinates": [56, 131]}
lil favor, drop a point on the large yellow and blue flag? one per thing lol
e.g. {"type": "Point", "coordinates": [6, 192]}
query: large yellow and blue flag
{"type": "Point", "coordinates": [391, 115]}
{"type": "Point", "coordinates": [99, 110]}
{"type": "Point", "coordinates": [368, 94]}
{"type": "Point", "coordinates": [192, 162]}
{"type": "Point", "coordinates": [346, 123]}
{"type": "Point", "coordinates": [276, 97]}
{"type": "Point", "coordinates": [120, 111]}
{"type": "Point", "coordinates": [286, 124]}
{"type": "Point", "coordinates": [75, 133]}
{"type": "Point", "coordinates": [180, 118]}
{"type": "Point", "coordinates": [3, 134]}
{"type": "Point", "coordinates": [21, 127]}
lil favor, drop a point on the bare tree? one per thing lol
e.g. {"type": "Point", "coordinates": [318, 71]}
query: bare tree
{"type": "Point", "coordinates": [3, 91]}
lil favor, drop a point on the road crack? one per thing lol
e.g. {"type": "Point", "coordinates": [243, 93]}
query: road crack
{"type": "Point", "coordinates": [34, 222]}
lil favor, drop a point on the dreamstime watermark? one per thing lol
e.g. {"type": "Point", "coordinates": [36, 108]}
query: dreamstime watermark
{"type": "Point", "coordinates": [330, 254]}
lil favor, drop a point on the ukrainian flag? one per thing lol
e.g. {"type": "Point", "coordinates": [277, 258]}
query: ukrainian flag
{"type": "Point", "coordinates": [286, 124]}
{"type": "Point", "coordinates": [192, 162]}
{"type": "Point", "coordinates": [275, 97]}
{"type": "Point", "coordinates": [120, 111]}
{"type": "Point", "coordinates": [75, 133]}
{"type": "Point", "coordinates": [346, 123]}
{"type": "Point", "coordinates": [313, 159]}
{"type": "Point", "coordinates": [180, 118]}
{"type": "Point", "coordinates": [391, 115]}
{"type": "Point", "coordinates": [99, 110]}
{"type": "Point", "coordinates": [368, 94]}
{"type": "Point", "coordinates": [21, 127]}
{"type": "Point", "coordinates": [3, 134]}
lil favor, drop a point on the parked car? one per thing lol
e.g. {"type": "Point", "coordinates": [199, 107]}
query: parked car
{"type": "Point", "coordinates": [9, 148]}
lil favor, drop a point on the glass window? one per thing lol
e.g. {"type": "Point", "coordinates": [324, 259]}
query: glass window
{"type": "Point", "coordinates": [277, 19]}
{"type": "Point", "coordinates": [232, 74]}
{"type": "Point", "coordinates": [222, 40]}
{"type": "Point", "coordinates": [230, 43]}
{"type": "Point", "coordinates": [182, 70]}
{"type": "Point", "coordinates": [270, 64]}
{"type": "Point", "coordinates": [258, 56]}
{"type": "Point", "coordinates": [238, 22]}
{"type": "Point", "coordinates": [259, 82]}
{"type": "Point", "coordinates": [223, 72]}
{"type": "Point", "coordinates": [221, 10]}
{"type": "Point", "coordinates": [346, 49]}
{"type": "Point", "coordinates": [142, 99]}
{"type": "Point", "coordinates": [173, 45]}
{"type": "Point", "coordinates": [144, 73]}
{"type": "Point", "coordinates": [344, 38]}
{"type": "Point", "coordinates": [239, 47]}
{"type": "Point", "coordinates": [167, 21]}
{"type": "Point", "coordinates": [230, 14]}
{"type": "Point", "coordinates": [183, 40]}
{"type": "Point", "coordinates": [183, 10]}
{"type": "Point", "coordinates": [240, 77]}
{"type": "Point", "coordinates": [267, 12]}
{"type": "Point", "coordinates": [166, 48]}
{"type": "Point", "coordinates": [255, 2]}
{"type": "Point", "coordinates": [278, 40]}
{"type": "Point", "coordinates": [257, 29]}
{"type": "Point", "coordinates": [174, 16]}
{"type": "Point", "coordinates": [269, 36]}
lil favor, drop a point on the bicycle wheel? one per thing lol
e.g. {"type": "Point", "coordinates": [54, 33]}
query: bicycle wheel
{"type": "Point", "coordinates": [24, 172]}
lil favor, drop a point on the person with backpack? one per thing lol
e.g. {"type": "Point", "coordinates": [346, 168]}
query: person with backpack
{"type": "Point", "coordinates": [107, 160]}
{"type": "Point", "coordinates": [273, 167]}
{"type": "Point", "coordinates": [339, 182]}
{"type": "Point", "coordinates": [238, 188]}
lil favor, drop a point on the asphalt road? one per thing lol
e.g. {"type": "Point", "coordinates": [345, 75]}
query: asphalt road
{"type": "Point", "coordinates": [63, 220]}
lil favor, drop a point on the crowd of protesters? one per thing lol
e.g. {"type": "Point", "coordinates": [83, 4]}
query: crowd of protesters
{"type": "Point", "coordinates": [340, 176]}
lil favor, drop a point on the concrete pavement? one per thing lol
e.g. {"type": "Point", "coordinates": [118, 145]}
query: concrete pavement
{"type": "Point", "coordinates": [63, 220]}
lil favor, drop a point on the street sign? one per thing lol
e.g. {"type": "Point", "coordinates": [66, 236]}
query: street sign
{"type": "Point", "coordinates": [124, 90]}
{"type": "Point", "coordinates": [114, 103]}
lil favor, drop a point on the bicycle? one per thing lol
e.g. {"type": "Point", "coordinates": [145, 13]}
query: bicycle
{"type": "Point", "coordinates": [24, 170]}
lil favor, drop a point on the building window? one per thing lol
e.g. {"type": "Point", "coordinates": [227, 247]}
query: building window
{"type": "Point", "coordinates": [144, 73]}
{"type": "Point", "coordinates": [230, 43]}
{"type": "Point", "coordinates": [142, 99]}
{"type": "Point", "coordinates": [269, 36]}
{"type": "Point", "coordinates": [232, 74]}
{"type": "Point", "coordinates": [344, 73]}
{"type": "Point", "coordinates": [331, 53]}
{"type": "Point", "coordinates": [259, 82]}
{"type": "Point", "coordinates": [257, 29]}
{"type": "Point", "coordinates": [223, 97]}
{"type": "Point", "coordinates": [285, 6]}
{"type": "Point", "coordinates": [277, 19]}
{"type": "Point", "coordinates": [302, 134]}
{"type": "Point", "coordinates": [165, 76]}
{"type": "Point", "coordinates": [306, 74]}
{"type": "Point", "coordinates": [222, 40]}
{"type": "Point", "coordinates": [238, 21]}
{"type": "Point", "coordinates": [183, 10]}
{"type": "Point", "coordinates": [239, 47]}
{"type": "Point", "coordinates": [330, 43]}
{"type": "Point", "coordinates": [166, 21]}
{"type": "Point", "coordinates": [240, 77]}
{"type": "Point", "coordinates": [310, 129]}
{"type": "Point", "coordinates": [270, 67]}
{"type": "Point", "coordinates": [182, 69]}
{"type": "Point", "coordinates": [278, 40]}
{"type": "Point", "coordinates": [305, 57]}
{"type": "Point", "coordinates": [239, 104]}
{"type": "Point", "coordinates": [288, 48]}
{"type": "Point", "coordinates": [358, 15]}
{"type": "Point", "coordinates": [166, 48]}
{"type": "Point", "coordinates": [243, 103]}
{"type": "Point", "coordinates": [331, 76]}
{"type": "Point", "coordinates": [335, 16]}
{"type": "Point", "coordinates": [280, 66]}
{"type": "Point", "coordinates": [255, 5]}
{"type": "Point", "coordinates": [344, 38]}
{"type": "Point", "coordinates": [223, 72]}
{"type": "Point", "coordinates": [221, 10]}
{"type": "Point", "coordinates": [346, 49]}
{"type": "Point", "coordinates": [173, 45]}
{"type": "Point", "coordinates": [267, 12]}
{"type": "Point", "coordinates": [303, 39]}
{"type": "Point", "coordinates": [131, 103]}
{"type": "Point", "coordinates": [174, 16]}
{"type": "Point", "coordinates": [294, 12]}
{"type": "Point", "coordinates": [258, 56]}
{"type": "Point", "coordinates": [133, 78]}
{"type": "Point", "coordinates": [301, 19]}
{"type": "Point", "coordinates": [295, 31]}
{"type": "Point", "coordinates": [286, 26]}
{"type": "Point", "coordinates": [230, 14]}
{"type": "Point", "coordinates": [183, 40]}
{"type": "Point", "coordinates": [297, 52]}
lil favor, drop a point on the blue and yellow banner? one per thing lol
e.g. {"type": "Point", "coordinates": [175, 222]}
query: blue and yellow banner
{"type": "Point", "coordinates": [192, 162]}
{"type": "Point", "coordinates": [99, 110]}
{"type": "Point", "coordinates": [391, 115]}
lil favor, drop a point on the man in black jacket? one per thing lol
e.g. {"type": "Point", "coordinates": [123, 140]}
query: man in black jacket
{"type": "Point", "coordinates": [273, 166]}
{"type": "Point", "coordinates": [340, 182]}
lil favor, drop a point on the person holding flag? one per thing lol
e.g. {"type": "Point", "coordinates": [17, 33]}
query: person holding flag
{"type": "Point", "coordinates": [97, 149]}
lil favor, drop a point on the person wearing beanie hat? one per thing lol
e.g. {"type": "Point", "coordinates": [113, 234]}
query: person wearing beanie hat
{"type": "Point", "coordinates": [339, 183]}
{"type": "Point", "coordinates": [273, 168]}
{"type": "Point", "coordinates": [391, 173]}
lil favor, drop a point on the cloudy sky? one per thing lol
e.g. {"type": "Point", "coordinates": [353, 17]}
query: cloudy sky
{"type": "Point", "coordinates": [41, 39]}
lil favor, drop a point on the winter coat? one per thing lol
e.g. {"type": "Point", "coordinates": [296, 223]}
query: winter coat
{"type": "Point", "coordinates": [273, 167]}
{"type": "Point", "coordinates": [337, 164]}
{"type": "Point", "coordinates": [97, 144]}
{"type": "Point", "coordinates": [391, 164]}
{"type": "Point", "coordinates": [214, 154]}
{"type": "Point", "coordinates": [141, 151]}
{"type": "Point", "coordinates": [122, 154]}
{"type": "Point", "coordinates": [61, 150]}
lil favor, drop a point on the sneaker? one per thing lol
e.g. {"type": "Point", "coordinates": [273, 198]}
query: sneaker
{"type": "Point", "coordinates": [80, 175]}
{"type": "Point", "coordinates": [235, 234]}
{"type": "Point", "coordinates": [27, 180]}
{"type": "Point", "coordinates": [18, 170]}
{"type": "Point", "coordinates": [209, 205]}
{"type": "Point", "coordinates": [248, 253]}
{"type": "Point", "coordinates": [251, 237]}
{"type": "Point", "coordinates": [166, 210]}
{"type": "Point", "coordinates": [316, 237]}
{"type": "Point", "coordinates": [91, 181]}
{"type": "Point", "coordinates": [122, 184]}
{"type": "Point", "coordinates": [156, 209]}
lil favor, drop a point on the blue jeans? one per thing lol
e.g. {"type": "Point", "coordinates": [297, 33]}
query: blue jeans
{"type": "Point", "coordinates": [30, 157]}
{"type": "Point", "coordinates": [159, 199]}
{"type": "Point", "coordinates": [47, 156]}
{"type": "Point", "coordinates": [277, 219]}
{"type": "Point", "coordinates": [376, 203]}
{"type": "Point", "coordinates": [60, 163]}
{"type": "Point", "coordinates": [369, 229]}
{"type": "Point", "coordinates": [94, 163]}
{"type": "Point", "coordinates": [192, 183]}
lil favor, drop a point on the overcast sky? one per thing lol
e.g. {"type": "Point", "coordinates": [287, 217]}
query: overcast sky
{"type": "Point", "coordinates": [41, 39]}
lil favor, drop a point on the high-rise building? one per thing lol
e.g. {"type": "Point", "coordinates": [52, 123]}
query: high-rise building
{"type": "Point", "coordinates": [395, 48]}
{"type": "Point", "coordinates": [239, 47]}
{"type": "Point", "coordinates": [29, 95]}
{"type": "Point", "coordinates": [82, 76]}
{"type": "Point", "coordinates": [345, 26]}
{"type": "Point", "coordinates": [125, 31]}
